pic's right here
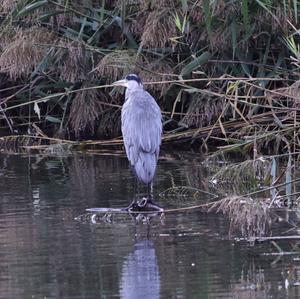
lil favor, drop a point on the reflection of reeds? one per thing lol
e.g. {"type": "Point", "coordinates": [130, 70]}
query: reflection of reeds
{"type": "Point", "coordinates": [15, 142]}
{"type": "Point", "coordinates": [84, 176]}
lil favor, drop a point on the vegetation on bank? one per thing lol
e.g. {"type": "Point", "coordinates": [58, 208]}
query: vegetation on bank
{"type": "Point", "coordinates": [223, 72]}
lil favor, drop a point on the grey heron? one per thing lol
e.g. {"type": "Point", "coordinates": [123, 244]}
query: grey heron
{"type": "Point", "coordinates": [141, 129]}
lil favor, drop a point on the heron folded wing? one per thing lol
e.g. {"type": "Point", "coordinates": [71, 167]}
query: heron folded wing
{"type": "Point", "coordinates": [141, 126]}
{"type": "Point", "coordinates": [132, 153]}
{"type": "Point", "coordinates": [128, 132]}
{"type": "Point", "coordinates": [148, 120]}
{"type": "Point", "coordinates": [149, 135]}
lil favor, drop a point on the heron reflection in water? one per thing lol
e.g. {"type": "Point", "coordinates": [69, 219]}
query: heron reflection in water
{"type": "Point", "coordinates": [141, 129]}
{"type": "Point", "coordinates": [140, 273]}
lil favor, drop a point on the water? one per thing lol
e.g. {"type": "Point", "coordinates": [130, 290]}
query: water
{"type": "Point", "coordinates": [45, 253]}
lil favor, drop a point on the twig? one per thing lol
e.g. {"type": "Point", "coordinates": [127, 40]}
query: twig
{"type": "Point", "coordinates": [263, 239]}
{"type": "Point", "coordinates": [47, 98]}
{"type": "Point", "coordinates": [41, 137]}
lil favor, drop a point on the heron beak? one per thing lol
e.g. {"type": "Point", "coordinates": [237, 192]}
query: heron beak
{"type": "Point", "coordinates": [120, 83]}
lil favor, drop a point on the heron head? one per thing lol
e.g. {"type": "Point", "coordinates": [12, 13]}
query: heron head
{"type": "Point", "coordinates": [131, 81]}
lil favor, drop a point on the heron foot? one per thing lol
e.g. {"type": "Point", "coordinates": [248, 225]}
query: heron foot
{"type": "Point", "coordinates": [144, 205]}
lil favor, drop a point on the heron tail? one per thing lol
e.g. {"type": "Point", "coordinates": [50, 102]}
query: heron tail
{"type": "Point", "coordinates": [145, 167]}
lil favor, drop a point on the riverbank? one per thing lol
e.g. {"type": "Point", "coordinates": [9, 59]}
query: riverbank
{"type": "Point", "coordinates": [224, 74]}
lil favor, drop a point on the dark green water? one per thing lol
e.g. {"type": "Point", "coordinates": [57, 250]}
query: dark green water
{"type": "Point", "coordinates": [45, 253]}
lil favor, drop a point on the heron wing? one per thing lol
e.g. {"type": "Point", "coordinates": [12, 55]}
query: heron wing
{"type": "Point", "coordinates": [141, 125]}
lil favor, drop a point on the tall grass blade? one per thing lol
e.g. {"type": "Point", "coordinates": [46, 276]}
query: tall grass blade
{"type": "Point", "coordinates": [31, 7]}
{"type": "Point", "coordinates": [208, 15]}
{"type": "Point", "coordinates": [288, 178]}
{"type": "Point", "coordinates": [273, 177]}
{"type": "Point", "coordinates": [245, 13]}
{"type": "Point", "coordinates": [295, 3]}
{"type": "Point", "coordinates": [197, 62]}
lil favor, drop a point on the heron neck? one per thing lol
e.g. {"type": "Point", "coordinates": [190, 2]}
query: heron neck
{"type": "Point", "coordinates": [130, 91]}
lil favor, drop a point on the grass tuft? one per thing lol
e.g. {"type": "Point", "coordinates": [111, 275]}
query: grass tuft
{"type": "Point", "coordinates": [24, 51]}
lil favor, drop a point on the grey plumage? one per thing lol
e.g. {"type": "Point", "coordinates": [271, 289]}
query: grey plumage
{"type": "Point", "coordinates": [141, 128]}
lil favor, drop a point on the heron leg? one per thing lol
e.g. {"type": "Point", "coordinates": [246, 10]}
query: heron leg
{"type": "Point", "coordinates": [144, 201]}
{"type": "Point", "coordinates": [135, 188]}
{"type": "Point", "coordinates": [150, 191]}
{"type": "Point", "coordinates": [149, 199]}
{"type": "Point", "coordinates": [134, 202]}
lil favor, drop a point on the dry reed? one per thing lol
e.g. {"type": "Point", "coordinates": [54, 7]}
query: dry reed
{"type": "Point", "coordinates": [85, 110]}
{"type": "Point", "coordinates": [22, 54]}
